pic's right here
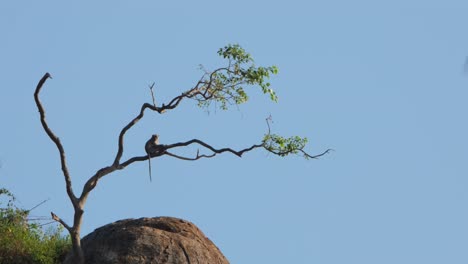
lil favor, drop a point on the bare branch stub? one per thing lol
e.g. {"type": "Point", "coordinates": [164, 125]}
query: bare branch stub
{"type": "Point", "coordinates": [58, 219]}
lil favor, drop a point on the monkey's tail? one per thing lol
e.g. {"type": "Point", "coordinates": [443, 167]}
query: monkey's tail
{"type": "Point", "coordinates": [149, 167]}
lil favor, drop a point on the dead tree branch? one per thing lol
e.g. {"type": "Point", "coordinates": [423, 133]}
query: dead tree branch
{"type": "Point", "coordinates": [164, 148]}
{"type": "Point", "coordinates": [216, 151]}
{"type": "Point", "coordinates": [77, 203]}
{"type": "Point", "coordinates": [56, 140]}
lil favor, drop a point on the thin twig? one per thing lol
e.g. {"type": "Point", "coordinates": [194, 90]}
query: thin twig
{"type": "Point", "coordinates": [41, 203]}
{"type": "Point", "coordinates": [186, 158]}
{"type": "Point", "coordinates": [316, 156]}
{"type": "Point", "coordinates": [307, 155]}
{"type": "Point", "coordinates": [38, 218]}
{"type": "Point", "coordinates": [48, 223]}
{"type": "Point", "coordinates": [152, 94]}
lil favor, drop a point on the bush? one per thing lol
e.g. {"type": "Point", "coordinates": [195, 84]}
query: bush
{"type": "Point", "coordinates": [24, 241]}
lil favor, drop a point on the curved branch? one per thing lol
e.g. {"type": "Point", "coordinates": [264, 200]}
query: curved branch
{"type": "Point", "coordinates": [56, 140]}
{"type": "Point", "coordinates": [217, 151]}
{"type": "Point", "coordinates": [92, 182]}
{"type": "Point", "coordinates": [307, 155]}
{"type": "Point", "coordinates": [172, 104]}
{"type": "Point", "coordinates": [316, 156]}
{"type": "Point", "coordinates": [128, 126]}
{"type": "Point", "coordinates": [132, 160]}
{"type": "Point", "coordinates": [164, 151]}
{"type": "Point", "coordinates": [186, 158]}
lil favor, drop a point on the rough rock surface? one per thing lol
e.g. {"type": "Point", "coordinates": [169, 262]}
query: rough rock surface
{"type": "Point", "coordinates": [161, 240]}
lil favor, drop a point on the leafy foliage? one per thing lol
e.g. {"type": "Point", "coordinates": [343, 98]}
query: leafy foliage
{"type": "Point", "coordinates": [24, 242]}
{"type": "Point", "coordinates": [284, 146]}
{"type": "Point", "coordinates": [227, 85]}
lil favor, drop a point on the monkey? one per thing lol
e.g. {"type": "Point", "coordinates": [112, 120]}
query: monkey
{"type": "Point", "coordinates": [150, 147]}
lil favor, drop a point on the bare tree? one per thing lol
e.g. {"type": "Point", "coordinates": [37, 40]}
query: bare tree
{"type": "Point", "coordinates": [224, 86]}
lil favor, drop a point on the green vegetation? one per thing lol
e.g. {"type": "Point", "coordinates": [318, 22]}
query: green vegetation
{"type": "Point", "coordinates": [25, 241]}
{"type": "Point", "coordinates": [226, 85]}
{"type": "Point", "coordinates": [284, 146]}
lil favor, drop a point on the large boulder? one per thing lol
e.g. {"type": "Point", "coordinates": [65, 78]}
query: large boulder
{"type": "Point", "coordinates": [161, 240]}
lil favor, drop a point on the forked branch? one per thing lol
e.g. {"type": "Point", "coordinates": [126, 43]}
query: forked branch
{"type": "Point", "coordinates": [172, 104]}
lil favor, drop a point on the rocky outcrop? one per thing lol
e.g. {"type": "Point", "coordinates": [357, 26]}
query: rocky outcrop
{"type": "Point", "coordinates": [161, 240]}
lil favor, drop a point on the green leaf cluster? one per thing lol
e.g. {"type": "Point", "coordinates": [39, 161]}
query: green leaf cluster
{"type": "Point", "coordinates": [22, 241]}
{"type": "Point", "coordinates": [284, 146]}
{"type": "Point", "coordinates": [227, 85]}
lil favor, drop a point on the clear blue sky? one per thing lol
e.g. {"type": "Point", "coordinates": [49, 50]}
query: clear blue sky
{"type": "Point", "coordinates": [381, 82]}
